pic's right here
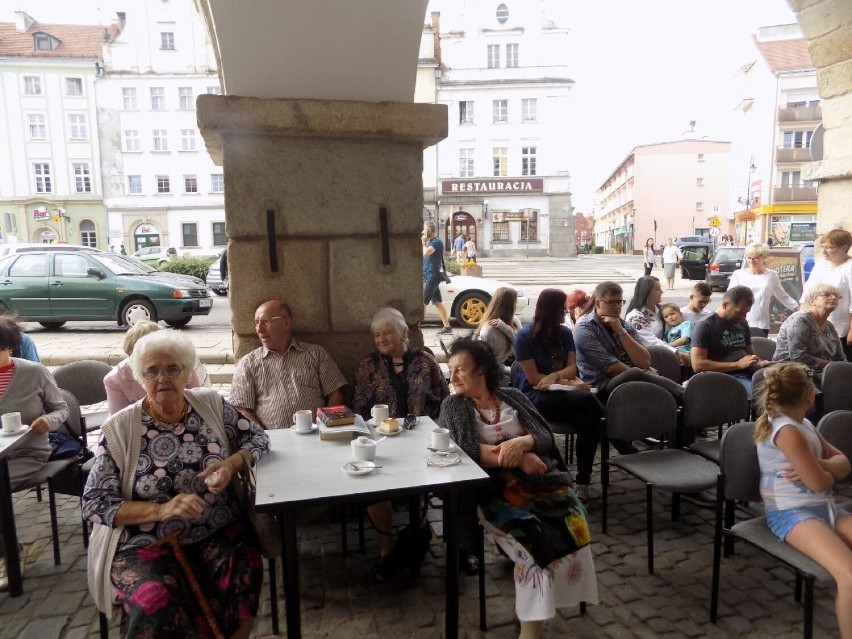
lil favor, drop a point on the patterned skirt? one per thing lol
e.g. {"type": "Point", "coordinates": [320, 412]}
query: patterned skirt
{"type": "Point", "coordinates": [157, 601]}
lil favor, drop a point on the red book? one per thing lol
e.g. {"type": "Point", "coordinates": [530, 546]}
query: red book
{"type": "Point", "coordinates": [335, 415]}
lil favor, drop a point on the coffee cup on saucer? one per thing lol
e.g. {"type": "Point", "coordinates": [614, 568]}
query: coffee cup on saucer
{"type": "Point", "coordinates": [11, 422]}
{"type": "Point", "coordinates": [303, 420]}
{"type": "Point", "coordinates": [380, 413]}
{"type": "Point", "coordinates": [439, 439]}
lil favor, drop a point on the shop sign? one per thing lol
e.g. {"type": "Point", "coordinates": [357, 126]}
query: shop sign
{"type": "Point", "coordinates": [511, 185]}
{"type": "Point", "coordinates": [41, 213]}
{"type": "Point", "coordinates": [787, 263]}
{"type": "Point", "coordinates": [515, 216]}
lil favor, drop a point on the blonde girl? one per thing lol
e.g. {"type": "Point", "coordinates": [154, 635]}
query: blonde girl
{"type": "Point", "coordinates": [798, 469]}
{"type": "Point", "coordinates": [499, 323]}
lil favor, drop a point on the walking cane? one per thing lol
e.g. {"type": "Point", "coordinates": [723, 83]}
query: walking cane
{"type": "Point", "coordinates": [172, 540]}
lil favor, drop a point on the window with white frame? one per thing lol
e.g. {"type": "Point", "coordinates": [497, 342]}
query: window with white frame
{"type": "Point", "coordinates": [528, 160]}
{"type": "Point", "coordinates": [158, 99]}
{"type": "Point", "coordinates": [219, 237]}
{"type": "Point", "coordinates": [163, 184]}
{"type": "Point", "coordinates": [190, 184]}
{"type": "Point", "coordinates": [82, 177]}
{"type": "Point", "coordinates": [529, 227]}
{"type": "Point", "coordinates": [88, 234]}
{"type": "Point", "coordinates": [700, 157]}
{"type": "Point", "coordinates": [131, 141]}
{"type": "Point", "coordinates": [797, 139]}
{"type": "Point", "coordinates": [511, 56]}
{"type": "Point", "coordinates": [185, 95]}
{"type": "Point", "coordinates": [529, 109]}
{"type": "Point", "coordinates": [500, 232]}
{"type": "Point", "coordinates": [161, 140]}
{"type": "Point", "coordinates": [699, 206]}
{"type": "Point", "coordinates": [167, 41]}
{"type": "Point", "coordinates": [217, 183]}
{"type": "Point", "coordinates": [214, 90]}
{"type": "Point", "coordinates": [43, 181]}
{"type": "Point", "coordinates": [187, 139]}
{"type": "Point", "coordinates": [500, 155]}
{"type": "Point", "coordinates": [43, 42]}
{"type": "Point", "coordinates": [77, 126]}
{"type": "Point", "coordinates": [189, 232]}
{"type": "Point", "coordinates": [134, 185]}
{"type": "Point", "coordinates": [32, 85]}
{"type": "Point", "coordinates": [493, 56]}
{"type": "Point", "coordinates": [466, 112]}
{"type": "Point", "coordinates": [466, 163]}
{"type": "Point", "coordinates": [128, 94]}
{"type": "Point", "coordinates": [73, 86]}
{"type": "Point", "coordinates": [37, 123]}
{"type": "Point", "coordinates": [699, 181]}
{"type": "Point", "coordinates": [500, 110]}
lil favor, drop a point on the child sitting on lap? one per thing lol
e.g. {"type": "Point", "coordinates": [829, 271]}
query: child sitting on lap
{"type": "Point", "coordinates": [678, 331]}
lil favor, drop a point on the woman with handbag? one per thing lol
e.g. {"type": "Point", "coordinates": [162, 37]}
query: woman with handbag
{"type": "Point", "coordinates": [164, 466]}
{"type": "Point", "coordinates": [529, 506]}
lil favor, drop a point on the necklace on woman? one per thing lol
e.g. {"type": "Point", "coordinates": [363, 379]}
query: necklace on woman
{"type": "Point", "coordinates": [162, 420]}
{"type": "Point", "coordinates": [484, 419]}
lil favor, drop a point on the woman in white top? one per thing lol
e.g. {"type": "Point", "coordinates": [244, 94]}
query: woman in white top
{"type": "Point", "coordinates": [764, 283]}
{"type": "Point", "coordinates": [671, 258]}
{"type": "Point", "coordinates": [649, 255]}
{"type": "Point", "coordinates": [836, 269]}
{"type": "Point", "coordinates": [643, 314]}
{"type": "Point", "coordinates": [499, 324]}
{"type": "Point", "coordinates": [798, 469]}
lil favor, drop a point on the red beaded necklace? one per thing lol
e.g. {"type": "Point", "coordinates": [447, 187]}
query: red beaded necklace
{"type": "Point", "coordinates": [484, 419]}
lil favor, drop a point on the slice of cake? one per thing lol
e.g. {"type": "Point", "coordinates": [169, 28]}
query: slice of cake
{"type": "Point", "coordinates": [389, 426]}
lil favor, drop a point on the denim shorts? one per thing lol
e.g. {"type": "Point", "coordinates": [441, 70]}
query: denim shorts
{"type": "Point", "coordinates": [781, 522]}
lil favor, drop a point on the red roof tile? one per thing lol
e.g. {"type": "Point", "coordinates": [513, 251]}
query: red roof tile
{"type": "Point", "coordinates": [785, 55]}
{"type": "Point", "coordinates": [75, 41]}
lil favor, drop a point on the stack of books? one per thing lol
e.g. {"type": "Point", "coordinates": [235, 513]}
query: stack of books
{"type": "Point", "coordinates": [340, 422]}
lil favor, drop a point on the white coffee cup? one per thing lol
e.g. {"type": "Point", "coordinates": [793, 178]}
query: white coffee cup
{"type": "Point", "coordinates": [11, 422]}
{"type": "Point", "coordinates": [363, 449]}
{"type": "Point", "coordinates": [303, 419]}
{"type": "Point", "coordinates": [439, 439]}
{"type": "Point", "coordinates": [380, 413]}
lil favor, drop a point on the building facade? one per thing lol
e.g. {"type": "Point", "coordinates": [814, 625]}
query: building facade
{"type": "Point", "coordinates": [160, 186]}
{"type": "Point", "coordinates": [501, 175]}
{"type": "Point", "coordinates": [663, 190]}
{"type": "Point", "coordinates": [50, 188]}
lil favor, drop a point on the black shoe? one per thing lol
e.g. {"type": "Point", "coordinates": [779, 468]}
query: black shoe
{"type": "Point", "coordinates": [445, 330]}
{"type": "Point", "coordinates": [623, 447]}
{"type": "Point", "coordinates": [704, 499]}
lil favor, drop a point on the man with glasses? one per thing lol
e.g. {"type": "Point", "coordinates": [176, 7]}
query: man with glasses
{"type": "Point", "coordinates": [608, 351]}
{"type": "Point", "coordinates": [283, 375]}
{"type": "Point", "coordinates": [699, 299]}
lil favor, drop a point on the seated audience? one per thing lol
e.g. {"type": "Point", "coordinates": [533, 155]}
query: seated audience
{"type": "Point", "coordinates": [764, 283]}
{"type": "Point", "coordinates": [529, 507]}
{"type": "Point", "coordinates": [608, 350]}
{"type": "Point", "coordinates": [163, 469]}
{"type": "Point", "coordinates": [27, 348]}
{"type": "Point", "coordinates": [678, 330]}
{"type": "Point", "coordinates": [121, 388]}
{"type": "Point", "coordinates": [499, 324]}
{"type": "Point", "coordinates": [798, 470]}
{"type": "Point", "coordinates": [722, 342]}
{"type": "Point", "coordinates": [699, 297]}
{"type": "Point", "coordinates": [409, 381]}
{"type": "Point", "coordinates": [643, 314]}
{"type": "Point", "coordinates": [574, 304]}
{"type": "Point", "coordinates": [807, 337]}
{"type": "Point", "coordinates": [283, 375]}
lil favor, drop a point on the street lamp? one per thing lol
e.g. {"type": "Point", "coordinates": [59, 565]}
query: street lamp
{"type": "Point", "coordinates": [749, 201]}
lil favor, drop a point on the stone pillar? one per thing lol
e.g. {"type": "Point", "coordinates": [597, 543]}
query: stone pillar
{"type": "Point", "coordinates": [306, 184]}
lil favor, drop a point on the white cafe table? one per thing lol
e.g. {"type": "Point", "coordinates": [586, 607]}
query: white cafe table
{"type": "Point", "coordinates": [7, 513]}
{"type": "Point", "coordinates": [302, 470]}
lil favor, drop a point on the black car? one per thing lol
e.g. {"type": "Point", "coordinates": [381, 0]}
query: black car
{"type": "Point", "coordinates": [693, 264]}
{"type": "Point", "coordinates": [725, 261]}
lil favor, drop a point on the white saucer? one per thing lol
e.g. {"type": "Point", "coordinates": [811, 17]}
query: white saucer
{"type": "Point", "coordinates": [387, 434]}
{"type": "Point", "coordinates": [364, 467]}
{"type": "Point", "coordinates": [451, 449]}
{"type": "Point", "coordinates": [21, 430]}
{"type": "Point", "coordinates": [305, 432]}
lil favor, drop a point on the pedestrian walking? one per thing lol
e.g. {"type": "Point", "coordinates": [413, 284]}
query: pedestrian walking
{"type": "Point", "coordinates": [671, 258]}
{"type": "Point", "coordinates": [458, 247]}
{"type": "Point", "coordinates": [470, 250]}
{"type": "Point", "coordinates": [433, 255]}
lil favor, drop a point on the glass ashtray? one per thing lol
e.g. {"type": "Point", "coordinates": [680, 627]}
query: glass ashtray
{"type": "Point", "coordinates": [443, 459]}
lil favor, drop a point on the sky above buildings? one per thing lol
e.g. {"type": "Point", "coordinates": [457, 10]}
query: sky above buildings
{"type": "Point", "coordinates": [642, 70]}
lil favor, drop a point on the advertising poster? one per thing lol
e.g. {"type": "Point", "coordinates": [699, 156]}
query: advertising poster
{"type": "Point", "coordinates": [787, 264]}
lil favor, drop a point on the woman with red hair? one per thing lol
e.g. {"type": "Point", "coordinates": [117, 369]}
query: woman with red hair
{"type": "Point", "coordinates": [574, 305]}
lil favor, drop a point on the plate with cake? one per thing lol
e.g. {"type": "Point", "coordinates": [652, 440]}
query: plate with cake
{"type": "Point", "coordinates": [389, 427]}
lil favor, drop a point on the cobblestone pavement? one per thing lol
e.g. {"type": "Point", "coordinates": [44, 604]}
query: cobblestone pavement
{"type": "Point", "coordinates": [339, 599]}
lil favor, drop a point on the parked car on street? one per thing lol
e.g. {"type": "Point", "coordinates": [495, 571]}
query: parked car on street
{"type": "Point", "coordinates": [25, 247]}
{"type": "Point", "coordinates": [196, 281]}
{"type": "Point", "coordinates": [696, 257]}
{"type": "Point", "coordinates": [725, 261]}
{"type": "Point", "coordinates": [680, 240]}
{"type": "Point", "coordinates": [54, 287]}
{"type": "Point", "coordinates": [807, 258]}
{"type": "Point", "coordinates": [214, 278]}
{"type": "Point", "coordinates": [155, 255]}
{"type": "Point", "coordinates": [466, 299]}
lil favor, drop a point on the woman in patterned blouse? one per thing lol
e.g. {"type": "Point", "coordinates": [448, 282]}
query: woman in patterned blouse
{"type": "Point", "coordinates": [163, 466]}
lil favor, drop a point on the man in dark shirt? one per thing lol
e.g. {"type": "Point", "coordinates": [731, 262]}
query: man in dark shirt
{"type": "Point", "coordinates": [722, 342]}
{"type": "Point", "coordinates": [433, 255]}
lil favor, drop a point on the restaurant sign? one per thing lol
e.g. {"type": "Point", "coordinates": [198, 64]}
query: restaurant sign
{"type": "Point", "coordinates": [41, 213]}
{"type": "Point", "coordinates": [511, 185]}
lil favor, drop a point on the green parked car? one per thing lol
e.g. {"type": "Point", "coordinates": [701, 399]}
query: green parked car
{"type": "Point", "coordinates": [54, 287]}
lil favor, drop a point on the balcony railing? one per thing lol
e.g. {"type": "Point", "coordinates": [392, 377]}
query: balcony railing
{"type": "Point", "coordinates": [800, 114]}
{"type": "Point", "coordinates": [797, 154]}
{"type": "Point", "coordinates": [794, 194]}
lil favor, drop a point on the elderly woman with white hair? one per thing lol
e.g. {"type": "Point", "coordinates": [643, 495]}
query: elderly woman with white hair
{"type": "Point", "coordinates": [764, 283]}
{"type": "Point", "coordinates": [807, 337]}
{"type": "Point", "coordinates": [409, 381]}
{"type": "Point", "coordinates": [162, 470]}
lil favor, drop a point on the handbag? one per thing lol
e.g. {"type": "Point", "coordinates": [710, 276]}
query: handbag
{"type": "Point", "coordinates": [244, 489]}
{"type": "Point", "coordinates": [443, 273]}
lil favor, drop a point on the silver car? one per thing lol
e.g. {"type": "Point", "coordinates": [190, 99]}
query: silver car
{"type": "Point", "coordinates": [214, 278]}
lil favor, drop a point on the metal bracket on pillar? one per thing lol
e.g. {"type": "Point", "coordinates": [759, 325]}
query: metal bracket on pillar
{"type": "Point", "coordinates": [270, 240]}
{"type": "Point", "coordinates": [383, 225]}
